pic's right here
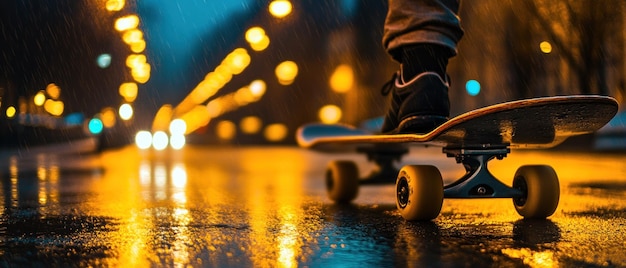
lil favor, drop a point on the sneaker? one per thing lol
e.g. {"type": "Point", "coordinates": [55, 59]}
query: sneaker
{"type": "Point", "coordinates": [417, 106]}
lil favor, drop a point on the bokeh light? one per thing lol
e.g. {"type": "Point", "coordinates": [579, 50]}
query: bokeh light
{"type": "Point", "coordinates": [95, 126]}
{"type": "Point", "coordinates": [342, 79]}
{"type": "Point", "coordinates": [139, 68]}
{"type": "Point", "coordinates": [132, 36]}
{"type": "Point", "coordinates": [257, 39]}
{"type": "Point", "coordinates": [177, 141]}
{"type": "Point", "coordinates": [53, 91]}
{"type": "Point", "coordinates": [160, 140]}
{"type": "Point", "coordinates": [257, 88]}
{"type": "Point", "coordinates": [545, 47]}
{"type": "Point", "coordinates": [226, 130]}
{"type": "Point", "coordinates": [250, 124]}
{"type": "Point", "coordinates": [129, 91]}
{"type": "Point", "coordinates": [127, 23]}
{"type": "Point", "coordinates": [472, 87]}
{"type": "Point", "coordinates": [261, 45]}
{"type": "Point", "coordinates": [10, 112]}
{"type": "Point", "coordinates": [234, 63]}
{"type": "Point", "coordinates": [54, 107]}
{"type": "Point", "coordinates": [280, 8]}
{"type": "Point", "coordinates": [196, 118]}
{"type": "Point", "coordinates": [138, 46]}
{"type": "Point", "coordinates": [330, 114]}
{"type": "Point", "coordinates": [178, 127]}
{"type": "Point", "coordinates": [135, 60]}
{"type": "Point", "coordinates": [40, 98]}
{"type": "Point", "coordinates": [108, 117]}
{"type": "Point", "coordinates": [255, 34]}
{"type": "Point", "coordinates": [126, 111]}
{"type": "Point", "coordinates": [276, 132]}
{"type": "Point", "coordinates": [143, 139]}
{"type": "Point", "coordinates": [115, 5]}
{"type": "Point", "coordinates": [74, 119]}
{"type": "Point", "coordinates": [163, 118]}
{"type": "Point", "coordinates": [286, 72]}
{"type": "Point", "coordinates": [103, 61]}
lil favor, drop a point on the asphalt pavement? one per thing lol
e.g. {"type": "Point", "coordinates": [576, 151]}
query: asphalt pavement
{"type": "Point", "coordinates": [267, 207]}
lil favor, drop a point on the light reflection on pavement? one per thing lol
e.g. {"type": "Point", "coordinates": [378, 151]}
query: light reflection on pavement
{"type": "Point", "coordinates": [266, 206]}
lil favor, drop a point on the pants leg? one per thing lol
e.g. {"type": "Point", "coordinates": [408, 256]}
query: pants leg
{"type": "Point", "coordinates": [422, 21]}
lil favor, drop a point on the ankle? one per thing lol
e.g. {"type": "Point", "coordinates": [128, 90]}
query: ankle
{"type": "Point", "coordinates": [420, 58]}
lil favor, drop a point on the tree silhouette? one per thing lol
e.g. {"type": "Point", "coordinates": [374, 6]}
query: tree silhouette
{"type": "Point", "coordinates": [588, 36]}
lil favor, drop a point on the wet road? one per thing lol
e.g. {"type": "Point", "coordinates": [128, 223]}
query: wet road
{"type": "Point", "coordinates": [267, 207]}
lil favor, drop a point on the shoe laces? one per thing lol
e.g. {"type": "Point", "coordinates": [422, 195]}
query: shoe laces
{"type": "Point", "coordinates": [387, 87]}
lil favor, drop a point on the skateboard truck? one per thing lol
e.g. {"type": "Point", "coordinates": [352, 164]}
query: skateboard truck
{"type": "Point", "coordinates": [383, 157]}
{"type": "Point", "coordinates": [478, 182]}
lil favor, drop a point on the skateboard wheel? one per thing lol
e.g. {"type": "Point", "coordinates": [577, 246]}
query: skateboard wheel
{"type": "Point", "coordinates": [419, 192]}
{"type": "Point", "coordinates": [540, 187]}
{"type": "Point", "coordinates": [342, 181]}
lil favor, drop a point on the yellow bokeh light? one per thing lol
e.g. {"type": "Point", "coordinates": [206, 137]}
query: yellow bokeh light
{"type": "Point", "coordinates": [11, 112]}
{"type": "Point", "coordinates": [40, 98]}
{"type": "Point", "coordinates": [257, 88]}
{"type": "Point", "coordinates": [261, 45]}
{"type": "Point", "coordinates": [127, 23]}
{"type": "Point", "coordinates": [196, 118]}
{"type": "Point", "coordinates": [138, 46]}
{"type": "Point", "coordinates": [126, 111]}
{"type": "Point", "coordinates": [128, 91]}
{"type": "Point", "coordinates": [132, 36]}
{"type": "Point", "coordinates": [115, 5]}
{"type": "Point", "coordinates": [330, 114]}
{"type": "Point", "coordinates": [162, 118]}
{"type": "Point", "coordinates": [203, 91]}
{"type": "Point", "coordinates": [280, 8]}
{"type": "Point", "coordinates": [243, 96]}
{"type": "Point", "coordinates": [135, 60]}
{"type": "Point", "coordinates": [250, 124]}
{"type": "Point", "coordinates": [342, 79]}
{"type": "Point", "coordinates": [53, 91]}
{"type": "Point", "coordinates": [275, 132]}
{"type": "Point", "coordinates": [226, 130]}
{"type": "Point", "coordinates": [214, 108]}
{"type": "Point", "coordinates": [108, 117]}
{"type": "Point", "coordinates": [224, 73]}
{"type": "Point", "coordinates": [286, 72]}
{"type": "Point", "coordinates": [54, 107]}
{"type": "Point", "coordinates": [141, 74]}
{"type": "Point", "coordinates": [234, 63]}
{"type": "Point", "coordinates": [237, 61]}
{"type": "Point", "coordinates": [255, 35]}
{"type": "Point", "coordinates": [545, 47]}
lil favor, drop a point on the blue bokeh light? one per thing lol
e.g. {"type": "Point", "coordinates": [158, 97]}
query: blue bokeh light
{"type": "Point", "coordinates": [104, 61]}
{"type": "Point", "coordinates": [74, 119]}
{"type": "Point", "coordinates": [95, 126]}
{"type": "Point", "coordinates": [472, 87]}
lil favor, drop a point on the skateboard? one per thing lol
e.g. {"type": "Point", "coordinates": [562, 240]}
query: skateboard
{"type": "Point", "coordinates": [472, 139]}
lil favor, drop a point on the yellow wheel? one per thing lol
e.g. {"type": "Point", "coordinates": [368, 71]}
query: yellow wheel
{"type": "Point", "coordinates": [342, 181]}
{"type": "Point", "coordinates": [419, 192]}
{"type": "Point", "coordinates": [540, 187]}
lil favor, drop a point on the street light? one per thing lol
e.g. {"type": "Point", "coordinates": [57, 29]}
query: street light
{"type": "Point", "coordinates": [280, 8]}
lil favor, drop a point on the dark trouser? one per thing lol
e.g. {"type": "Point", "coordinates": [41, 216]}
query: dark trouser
{"type": "Point", "coordinates": [422, 22]}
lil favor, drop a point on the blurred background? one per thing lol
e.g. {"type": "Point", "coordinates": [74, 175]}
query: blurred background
{"type": "Point", "coordinates": [92, 75]}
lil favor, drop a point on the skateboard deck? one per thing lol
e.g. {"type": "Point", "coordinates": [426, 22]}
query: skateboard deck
{"type": "Point", "coordinates": [530, 123]}
{"type": "Point", "coordinates": [473, 139]}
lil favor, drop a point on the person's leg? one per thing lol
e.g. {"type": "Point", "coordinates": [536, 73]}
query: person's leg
{"type": "Point", "coordinates": [422, 35]}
